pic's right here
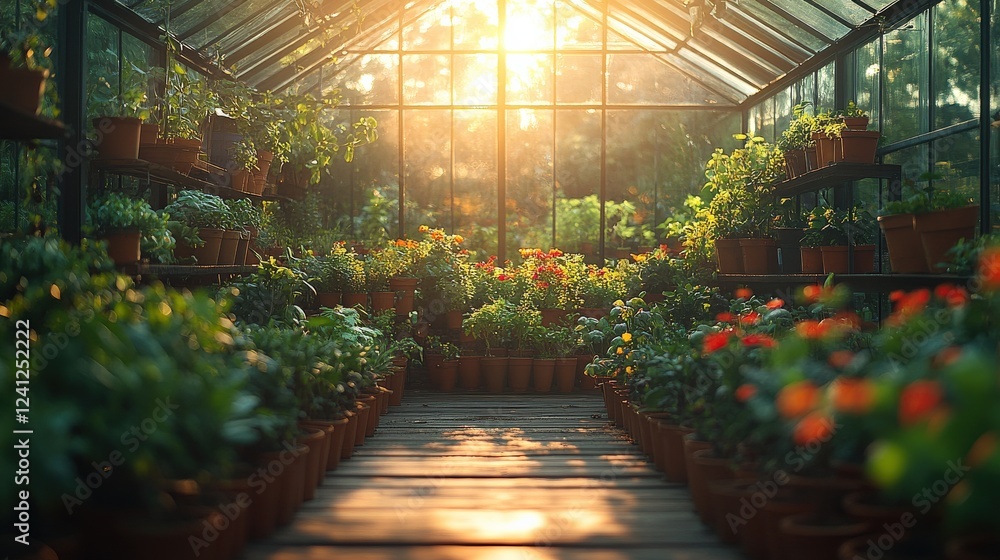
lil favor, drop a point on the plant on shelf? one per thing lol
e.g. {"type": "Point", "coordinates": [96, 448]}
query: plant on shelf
{"type": "Point", "coordinates": [795, 139]}
{"type": "Point", "coordinates": [743, 205]}
{"type": "Point", "coordinates": [490, 324]}
{"type": "Point", "coordinates": [119, 219]}
{"type": "Point", "coordinates": [25, 63]}
{"type": "Point", "coordinates": [268, 296]}
{"type": "Point", "coordinates": [188, 99]}
{"type": "Point", "coordinates": [201, 210]}
{"type": "Point", "coordinates": [246, 216]}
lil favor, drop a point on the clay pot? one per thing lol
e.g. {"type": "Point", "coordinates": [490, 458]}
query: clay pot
{"type": "Point", "coordinates": [354, 299]}
{"type": "Point", "coordinates": [903, 243]}
{"type": "Point", "coordinates": [815, 537]}
{"type": "Point", "coordinates": [565, 374]}
{"type": "Point", "coordinates": [707, 468]}
{"type": "Point", "coordinates": [811, 259]}
{"type": "Point", "coordinates": [313, 438]}
{"type": "Point", "coordinates": [382, 301]}
{"type": "Point", "coordinates": [760, 256]}
{"type": "Point", "coordinates": [448, 375]}
{"type": "Point", "coordinates": [542, 373]}
{"type": "Point", "coordinates": [795, 163]}
{"type": "Point", "coordinates": [941, 230]}
{"type": "Point", "coordinates": [228, 246]}
{"type": "Point", "coordinates": [118, 137]}
{"type": "Point", "coordinates": [207, 254]}
{"type": "Point", "coordinates": [729, 256]}
{"type": "Point", "coordinates": [864, 259]}
{"type": "Point", "coordinates": [404, 287]}
{"type": "Point", "coordinates": [494, 372]}
{"type": "Point", "coordinates": [835, 259]}
{"type": "Point", "coordinates": [859, 146]}
{"type": "Point", "coordinates": [519, 374]}
{"type": "Point", "coordinates": [350, 434]}
{"type": "Point", "coordinates": [124, 247]}
{"type": "Point", "coordinates": [328, 299]}
{"type": "Point", "coordinates": [453, 320]}
{"type": "Point", "coordinates": [469, 372]}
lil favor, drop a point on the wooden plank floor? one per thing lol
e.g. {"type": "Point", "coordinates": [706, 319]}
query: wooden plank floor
{"type": "Point", "coordinates": [496, 477]}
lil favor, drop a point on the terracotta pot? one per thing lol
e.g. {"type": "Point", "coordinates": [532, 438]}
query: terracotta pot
{"type": "Point", "coordinates": [23, 88]}
{"type": "Point", "coordinates": [149, 133]}
{"type": "Point", "coordinates": [812, 160]}
{"type": "Point", "coordinates": [382, 301]}
{"type": "Point", "coordinates": [775, 509]}
{"type": "Point", "coordinates": [433, 364]}
{"type": "Point", "coordinates": [543, 371]}
{"type": "Point", "coordinates": [760, 256]}
{"type": "Point", "coordinates": [364, 412]}
{"type": "Point", "coordinates": [207, 254]}
{"type": "Point", "coordinates": [856, 123]}
{"type": "Point", "coordinates": [729, 256]}
{"type": "Point", "coordinates": [835, 259]}
{"type": "Point", "coordinates": [646, 436]}
{"type": "Point", "coordinates": [675, 447]}
{"type": "Point", "coordinates": [398, 386]}
{"type": "Point", "coordinates": [789, 249]}
{"type": "Point", "coordinates": [350, 433]}
{"type": "Point", "coordinates": [866, 507]}
{"type": "Point", "coordinates": [552, 316]}
{"type": "Point", "coordinates": [586, 382]}
{"type": "Point", "coordinates": [242, 248]}
{"type": "Point", "coordinates": [974, 547]}
{"type": "Point", "coordinates": [328, 299]}
{"type": "Point", "coordinates": [811, 259]}
{"type": "Point", "coordinates": [124, 247]}
{"type": "Point", "coordinates": [404, 287]}
{"type": "Point", "coordinates": [139, 536]}
{"type": "Point", "coordinates": [263, 515]}
{"type": "Point", "coordinates": [587, 248]}
{"type": "Point", "coordinates": [795, 163]}
{"type": "Point", "coordinates": [859, 146]}
{"type": "Point", "coordinates": [369, 426]}
{"type": "Point", "coordinates": [940, 230]}
{"type": "Point", "coordinates": [707, 468]}
{"type": "Point", "coordinates": [469, 372]}
{"type": "Point", "coordinates": [293, 492]}
{"type": "Point", "coordinates": [264, 159]}
{"type": "Point", "coordinates": [519, 374]}
{"type": "Point", "coordinates": [494, 372]}
{"type": "Point", "coordinates": [564, 375]}
{"type": "Point", "coordinates": [727, 497]}
{"type": "Point", "coordinates": [863, 260]}
{"type": "Point", "coordinates": [918, 544]}
{"type": "Point", "coordinates": [227, 249]}
{"type": "Point", "coordinates": [179, 154]}
{"type": "Point", "coordinates": [337, 441]}
{"type": "Point", "coordinates": [354, 299]}
{"type": "Point", "coordinates": [453, 320]}
{"type": "Point", "coordinates": [313, 438]}
{"type": "Point", "coordinates": [903, 243]}
{"type": "Point", "coordinates": [828, 150]}
{"type": "Point", "coordinates": [819, 538]}
{"type": "Point", "coordinates": [118, 137]}
{"type": "Point", "coordinates": [657, 437]}
{"type": "Point", "coordinates": [449, 375]}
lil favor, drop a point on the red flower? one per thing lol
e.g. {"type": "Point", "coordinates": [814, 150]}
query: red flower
{"type": "Point", "coordinates": [954, 296]}
{"type": "Point", "coordinates": [761, 340]}
{"type": "Point", "coordinates": [840, 358]}
{"type": "Point", "coordinates": [503, 278]}
{"type": "Point", "coordinates": [775, 303]}
{"type": "Point", "coordinates": [852, 395]}
{"type": "Point", "coordinates": [817, 427]}
{"type": "Point", "coordinates": [745, 392]}
{"type": "Point", "coordinates": [989, 268]}
{"type": "Point", "coordinates": [543, 285]}
{"type": "Point", "coordinates": [725, 317]}
{"type": "Point", "coordinates": [743, 293]}
{"type": "Point", "coordinates": [918, 400]}
{"type": "Point", "coordinates": [715, 341]}
{"type": "Point", "coordinates": [797, 399]}
{"type": "Point", "coordinates": [812, 293]}
{"type": "Point", "coordinates": [910, 303]}
{"type": "Point", "coordinates": [750, 318]}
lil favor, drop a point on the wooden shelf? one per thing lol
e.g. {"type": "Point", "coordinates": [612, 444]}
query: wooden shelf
{"type": "Point", "coordinates": [18, 125]}
{"type": "Point", "coordinates": [835, 174]}
{"type": "Point", "coordinates": [185, 270]}
{"type": "Point", "coordinates": [857, 282]}
{"type": "Point", "coordinates": [153, 172]}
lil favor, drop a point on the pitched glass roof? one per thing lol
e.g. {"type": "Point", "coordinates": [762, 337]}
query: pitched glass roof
{"type": "Point", "coordinates": [725, 50]}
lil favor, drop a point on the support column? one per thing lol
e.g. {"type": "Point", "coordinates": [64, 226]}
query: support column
{"type": "Point", "coordinates": [71, 75]}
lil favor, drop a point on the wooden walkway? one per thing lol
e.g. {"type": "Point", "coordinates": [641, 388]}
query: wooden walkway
{"type": "Point", "coordinates": [496, 477]}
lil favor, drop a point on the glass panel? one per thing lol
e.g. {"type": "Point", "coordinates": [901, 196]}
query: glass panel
{"type": "Point", "coordinates": [530, 25]}
{"type": "Point", "coordinates": [475, 79]}
{"type": "Point", "coordinates": [956, 62]}
{"type": "Point", "coordinates": [427, 153]}
{"type": "Point", "coordinates": [578, 78]}
{"type": "Point", "coordinates": [782, 110]}
{"type": "Point", "coordinates": [804, 90]}
{"type": "Point", "coordinates": [638, 33]}
{"type": "Point", "coordinates": [904, 80]}
{"type": "Point", "coordinates": [847, 9]}
{"type": "Point", "coordinates": [264, 52]}
{"type": "Point", "coordinates": [825, 86]}
{"type": "Point", "coordinates": [427, 79]}
{"type": "Point", "coordinates": [955, 161]}
{"type": "Point", "coordinates": [204, 10]}
{"type": "Point", "coordinates": [644, 79]}
{"type": "Point", "coordinates": [772, 19]}
{"type": "Point", "coordinates": [813, 17]}
{"type": "Point", "coordinates": [529, 78]}
{"type": "Point", "coordinates": [232, 42]}
{"type": "Point", "coordinates": [372, 79]}
{"type": "Point", "coordinates": [767, 128]}
{"type": "Point", "coordinates": [475, 24]}
{"type": "Point", "coordinates": [914, 167]}
{"type": "Point", "coordinates": [476, 178]}
{"type": "Point", "coordinates": [866, 82]}
{"type": "Point", "coordinates": [222, 24]}
{"type": "Point", "coordinates": [701, 66]}
{"type": "Point", "coordinates": [530, 190]}
{"type": "Point", "coordinates": [575, 30]}
{"type": "Point", "coordinates": [103, 86]}
{"type": "Point", "coordinates": [994, 137]}
{"type": "Point", "coordinates": [137, 58]}
{"type": "Point", "coordinates": [578, 179]}
{"type": "Point", "coordinates": [431, 32]}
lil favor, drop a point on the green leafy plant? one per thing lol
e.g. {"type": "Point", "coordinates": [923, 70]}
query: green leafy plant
{"type": "Point", "coordinates": [201, 210]}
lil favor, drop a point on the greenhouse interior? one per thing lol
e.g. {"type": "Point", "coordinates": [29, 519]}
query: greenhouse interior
{"type": "Point", "coordinates": [497, 279]}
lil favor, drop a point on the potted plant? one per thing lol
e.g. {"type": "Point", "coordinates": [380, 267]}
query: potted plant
{"type": "Point", "coordinates": [794, 140]}
{"type": "Point", "coordinates": [455, 291]}
{"type": "Point", "coordinates": [858, 144]}
{"type": "Point", "coordinates": [210, 215]}
{"type": "Point", "coordinates": [826, 131]}
{"type": "Point", "coordinates": [379, 268]}
{"type": "Point", "coordinates": [119, 128]}
{"type": "Point", "coordinates": [489, 324]}
{"type": "Point", "coordinates": [811, 256]}
{"type": "Point", "coordinates": [24, 64]}
{"type": "Point", "coordinates": [188, 99]}
{"type": "Point", "coordinates": [448, 374]}
{"type": "Point", "coordinates": [124, 223]}
{"type": "Point", "coordinates": [247, 218]}
{"type": "Point", "coordinates": [789, 226]}
{"type": "Point", "coordinates": [920, 230]}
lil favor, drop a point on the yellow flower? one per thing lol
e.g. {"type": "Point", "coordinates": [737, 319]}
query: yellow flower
{"type": "Point", "coordinates": [621, 350]}
{"type": "Point", "coordinates": [640, 257]}
{"type": "Point", "coordinates": [628, 369]}
{"type": "Point", "coordinates": [619, 303]}
{"type": "Point", "coordinates": [459, 239]}
{"type": "Point", "coordinates": [423, 229]}
{"type": "Point", "coordinates": [627, 337]}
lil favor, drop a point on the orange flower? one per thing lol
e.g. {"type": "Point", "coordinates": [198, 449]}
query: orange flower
{"type": "Point", "coordinates": [954, 296]}
{"type": "Point", "coordinates": [918, 400]}
{"type": "Point", "coordinates": [423, 229]}
{"type": "Point", "coordinates": [776, 303]}
{"type": "Point", "coordinates": [715, 341]}
{"type": "Point", "coordinates": [761, 340]}
{"type": "Point", "coordinates": [436, 235]}
{"type": "Point", "coordinates": [743, 293]}
{"type": "Point", "coordinates": [812, 293]}
{"type": "Point", "coordinates": [817, 427]}
{"type": "Point", "coordinates": [989, 268]}
{"type": "Point", "coordinates": [811, 329]}
{"type": "Point", "coordinates": [797, 399]}
{"type": "Point", "coordinates": [840, 358]}
{"type": "Point", "coordinates": [852, 395]}
{"type": "Point", "coordinates": [725, 317]}
{"type": "Point", "coordinates": [459, 239]}
{"type": "Point", "coordinates": [745, 392]}
{"type": "Point", "coordinates": [907, 304]}
{"type": "Point", "coordinates": [751, 318]}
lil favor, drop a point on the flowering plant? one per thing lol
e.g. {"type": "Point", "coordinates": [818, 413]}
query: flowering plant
{"type": "Point", "coordinates": [552, 275]}
{"type": "Point", "coordinates": [600, 287]}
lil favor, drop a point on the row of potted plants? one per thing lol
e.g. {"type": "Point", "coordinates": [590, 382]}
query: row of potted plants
{"type": "Point", "coordinates": [814, 141]}
{"type": "Point", "coordinates": [805, 430]}
{"type": "Point", "coordinates": [178, 424]}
